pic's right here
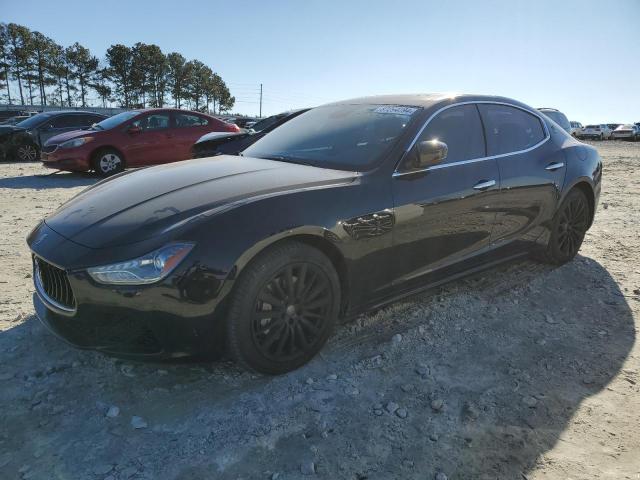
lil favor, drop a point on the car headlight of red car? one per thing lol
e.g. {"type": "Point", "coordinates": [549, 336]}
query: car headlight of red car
{"type": "Point", "coordinates": [149, 268]}
{"type": "Point", "coordinates": [76, 142]}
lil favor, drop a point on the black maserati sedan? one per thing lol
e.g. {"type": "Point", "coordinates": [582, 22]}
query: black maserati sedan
{"type": "Point", "coordinates": [232, 143]}
{"type": "Point", "coordinates": [345, 208]}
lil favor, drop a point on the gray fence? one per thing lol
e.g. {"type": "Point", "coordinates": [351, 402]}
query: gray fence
{"type": "Point", "coordinates": [48, 108]}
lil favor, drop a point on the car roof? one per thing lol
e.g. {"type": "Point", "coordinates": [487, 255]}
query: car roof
{"type": "Point", "coordinates": [429, 100]}
{"type": "Point", "coordinates": [71, 112]}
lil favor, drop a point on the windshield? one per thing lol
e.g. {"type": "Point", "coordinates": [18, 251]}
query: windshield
{"type": "Point", "coordinates": [346, 137]}
{"type": "Point", "coordinates": [114, 121]}
{"type": "Point", "coordinates": [33, 121]}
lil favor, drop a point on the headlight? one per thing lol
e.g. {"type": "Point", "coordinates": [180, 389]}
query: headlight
{"type": "Point", "coordinates": [76, 142]}
{"type": "Point", "coordinates": [149, 268]}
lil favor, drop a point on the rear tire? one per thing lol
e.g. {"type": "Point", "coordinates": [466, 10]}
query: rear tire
{"type": "Point", "coordinates": [283, 308]}
{"type": "Point", "coordinates": [27, 152]}
{"type": "Point", "coordinates": [568, 228]}
{"type": "Point", "coordinates": [107, 162]}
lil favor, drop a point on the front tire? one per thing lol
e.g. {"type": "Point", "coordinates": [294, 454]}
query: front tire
{"type": "Point", "coordinates": [107, 162]}
{"type": "Point", "coordinates": [283, 308]}
{"type": "Point", "coordinates": [568, 228]}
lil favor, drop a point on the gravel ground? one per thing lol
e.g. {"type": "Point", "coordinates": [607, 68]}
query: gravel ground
{"type": "Point", "coordinates": [523, 372]}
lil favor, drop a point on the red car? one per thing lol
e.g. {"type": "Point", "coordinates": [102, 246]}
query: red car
{"type": "Point", "coordinates": [131, 139]}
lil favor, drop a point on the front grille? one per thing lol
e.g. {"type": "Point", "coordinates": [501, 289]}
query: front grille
{"type": "Point", "coordinates": [49, 148]}
{"type": "Point", "coordinates": [53, 283]}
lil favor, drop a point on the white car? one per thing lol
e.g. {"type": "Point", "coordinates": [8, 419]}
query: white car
{"type": "Point", "coordinates": [595, 132]}
{"type": "Point", "coordinates": [629, 132]}
{"type": "Point", "coordinates": [575, 128]}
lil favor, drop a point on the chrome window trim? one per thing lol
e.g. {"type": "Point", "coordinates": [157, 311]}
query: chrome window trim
{"type": "Point", "coordinates": [398, 173]}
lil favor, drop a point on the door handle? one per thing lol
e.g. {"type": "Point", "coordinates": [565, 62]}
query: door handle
{"type": "Point", "coordinates": [484, 184]}
{"type": "Point", "coordinates": [554, 166]}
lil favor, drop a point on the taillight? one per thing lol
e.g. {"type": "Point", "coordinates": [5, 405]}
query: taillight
{"type": "Point", "coordinates": [232, 127]}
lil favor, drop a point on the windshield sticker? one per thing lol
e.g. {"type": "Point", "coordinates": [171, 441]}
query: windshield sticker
{"type": "Point", "coordinates": [395, 110]}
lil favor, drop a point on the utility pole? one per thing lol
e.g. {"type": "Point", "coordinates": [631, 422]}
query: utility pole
{"type": "Point", "coordinates": [260, 101]}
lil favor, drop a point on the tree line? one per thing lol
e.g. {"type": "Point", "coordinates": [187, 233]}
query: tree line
{"type": "Point", "coordinates": [44, 72]}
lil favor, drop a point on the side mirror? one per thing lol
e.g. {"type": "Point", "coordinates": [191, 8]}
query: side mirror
{"type": "Point", "coordinates": [134, 129]}
{"type": "Point", "coordinates": [428, 153]}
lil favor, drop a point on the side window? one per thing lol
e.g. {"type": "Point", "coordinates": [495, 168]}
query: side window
{"type": "Point", "coordinates": [510, 129]}
{"type": "Point", "coordinates": [155, 121]}
{"type": "Point", "coordinates": [461, 129]}
{"type": "Point", "coordinates": [66, 121]}
{"type": "Point", "coordinates": [189, 120]}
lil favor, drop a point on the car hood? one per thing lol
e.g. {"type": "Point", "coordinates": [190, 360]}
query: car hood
{"type": "Point", "coordinates": [148, 202]}
{"type": "Point", "coordinates": [218, 135]}
{"type": "Point", "coordinates": [5, 129]}
{"type": "Point", "coordinates": [63, 137]}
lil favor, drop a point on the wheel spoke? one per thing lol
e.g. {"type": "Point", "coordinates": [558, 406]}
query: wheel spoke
{"type": "Point", "coordinates": [289, 282]}
{"type": "Point", "coordinates": [286, 333]}
{"type": "Point", "coordinates": [269, 327]}
{"type": "Point", "coordinates": [268, 297]}
{"type": "Point", "coordinates": [302, 276]}
{"type": "Point", "coordinates": [302, 336]}
{"type": "Point", "coordinates": [274, 335]}
{"type": "Point", "coordinates": [277, 289]}
{"type": "Point", "coordinates": [268, 313]}
{"type": "Point", "coordinates": [306, 323]}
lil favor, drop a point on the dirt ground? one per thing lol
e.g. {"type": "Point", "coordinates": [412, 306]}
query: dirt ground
{"type": "Point", "coordinates": [522, 372]}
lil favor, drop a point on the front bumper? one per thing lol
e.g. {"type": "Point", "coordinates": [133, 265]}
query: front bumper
{"type": "Point", "coordinates": [66, 159]}
{"type": "Point", "coordinates": [177, 317]}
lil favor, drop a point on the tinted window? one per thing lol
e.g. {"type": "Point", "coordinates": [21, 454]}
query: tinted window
{"type": "Point", "coordinates": [350, 137]}
{"type": "Point", "coordinates": [155, 121]}
{"type": "Point", "coordinates": [510, 129]}
{"type": "Point", "coordinates": [460, 128]}
{"type": "Point", "coordinates": [68, 121]}
{"type": "Point", "coordinates": [188, 120]}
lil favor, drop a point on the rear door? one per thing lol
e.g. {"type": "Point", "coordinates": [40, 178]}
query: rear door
{"type": "Point", "coordinates": [188, 127]}
{"type": "Point", "coordinates": [151, 143]}
{"type": "Point", "coordinates": [445, 213]}
{"type": "Point", "coordinates": [531, 168]}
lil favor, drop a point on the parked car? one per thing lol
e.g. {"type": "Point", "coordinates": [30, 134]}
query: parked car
{"type": "Point", "coordinates": [342, 209]}
{"type": "Point", "coordinates": [575, 128]}
{"type": "Point", "coordinates": [627, 132]}
{"type": "Point", "coordinates": [612, 127]}
{"type": "Point", "coordinates": [213, 144]}
{"type": "Point", "coordinates": [595, 132]}
{"type": "Point", "coordinates": [24, 140]}
{"type": "Point", "coordinates": [131, 139]}
{"type": "Point", "coordinates": [558, 117]}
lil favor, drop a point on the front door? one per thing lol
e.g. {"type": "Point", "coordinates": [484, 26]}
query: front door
{"type": "Point", "coordinates": [445, 213]}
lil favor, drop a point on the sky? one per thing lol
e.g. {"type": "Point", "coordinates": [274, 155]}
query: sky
{"type": "Point", "coordinates": [580, 56]}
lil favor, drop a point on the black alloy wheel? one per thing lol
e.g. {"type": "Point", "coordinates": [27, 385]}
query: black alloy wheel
{"type": "Point", "coordinates": [569, 227]}
{"type": "Point", "coordinates": [283, 308]}
{"type": "Point", "coordinates": [27, 152]}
